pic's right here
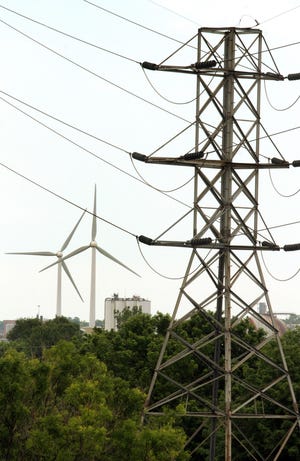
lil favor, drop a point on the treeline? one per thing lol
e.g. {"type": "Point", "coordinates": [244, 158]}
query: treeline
{"type": "Point", "coordinates": [66, 396]}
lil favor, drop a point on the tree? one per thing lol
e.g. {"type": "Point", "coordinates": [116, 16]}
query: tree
{"type": "Point", "coordinates": [131, 352]}
{"type": "Point", "coordinates": [93, 415]}
{"type": "Point", "coordinates": [17, 404]}
{"type": "Point", "coordinates": [35, 335]}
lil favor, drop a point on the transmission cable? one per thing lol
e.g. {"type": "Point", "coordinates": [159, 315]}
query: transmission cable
{"type": "Point", "coordinates": [282, 46]}
{"type": "Point", "coordinates": [275, 48]}
{"type": "Point", "coordinates": [135, 23]}
{"type": "Point", "coordinates": [271, 140]}
{"type": "Point", "coordinates": [276, 278]}
{"type": "Point", "coordinates": [80, 130]}
{"type": "Point", "coordinates": [267, 228]}
{"type": "Point", "coordinates": [156, 188]}
{"type": "Point", "coordinates": [90, 135]}
{"type": "Point", "coordinates": [280, 193]}
{"type": "Point", "coordinates": [174, 12]}
{"type": "Point", "coordinates": [278, 226]}
{"type": "Point", "coordinates": [277, 16]}
{"type": "Point", "coordinates": [88, 151]}
{"type": "Point", "coordinates": [46, 189]}
{"type": "Point", "coordinates": [171, 139]}
{"type": "Point", "coordinates": [169, 100]}
{"type": "Point", "coordinates": [163, 97]}
{"type": "Point", "coordinates": [279, 109]}
{"type": "Point", "coordinates": [78, 39]}
{"type": "Point", "coordinates": [269, 50]}
{"type": "Point", "coordinates": [165, 276]}
{"type": "Point", "coordinates": [95, 74]}
{"type": "Point", "coordinates": [92, 72]}
{"type": "Point", "coordinates": [178, 49]}
{"type": "Point", "coordinates": [275, 134]}
{"type": "Point", "coordinates": [173, 225]}
{"type": "Point", "coordinates": [182, 43]}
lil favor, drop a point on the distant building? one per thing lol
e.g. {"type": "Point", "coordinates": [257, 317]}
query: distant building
{"type": "Point", "coordinates": [8, 326]}
{"type": "Point", "coordinates": [279, 324]}
{"type": "Point", "coordinates": [116, 305]}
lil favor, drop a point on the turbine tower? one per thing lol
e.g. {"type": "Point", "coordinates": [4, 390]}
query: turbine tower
{"type": "Point", "coordinates": [60, 265]}
{"type": "Point", "coordinates": [94, 248]}
{"type": "Point", "coordinates": [217, 401]}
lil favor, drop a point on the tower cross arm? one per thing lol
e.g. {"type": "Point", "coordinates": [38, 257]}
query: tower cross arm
{"type": "Point", "coordinates": [196, 160]}
{"type": "Point", "coordinates": [210, 244]}
{"type": "Point", "coordinates": [209, 68]}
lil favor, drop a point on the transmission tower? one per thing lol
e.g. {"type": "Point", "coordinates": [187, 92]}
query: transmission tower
{"type": "Point", "coordinates": [224, 281]}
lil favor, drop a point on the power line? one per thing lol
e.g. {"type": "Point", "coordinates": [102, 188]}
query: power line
{"type": "Point", "coordinates": [269, 50]}
{"type": "Point", "coordinates": [280, 193]}
{"type": "Point", "coordinates": [91, 213]}
{"type": "Point", "coordinates": [277, 278]}
{"type": "Point", "coordinates": [279, 109]}
{"type": "Point", "coordinates": [163, 97]}
{"type": "Point", "coordinates": [178, 49]}
{"type": "Point", "coordinates": [135, 23]}
{"type": "Point", "coordinates": [86, 42]}
{"type": "Point", "coordinates": [278, 226]}
{"type": "Point", "coordinates": [76, 128]}
{"type": "Point", "coordinates": [102, 78]}
{"type": "Point", "coordinates": [95, 74]}
{"type": "Point", "coordinates": [108, 81]}
{"type": "Point", "coordinates": [73, 37]}
{"type": "Point", "coordinates": [156, 188]}
{"type": "Point", "coordinates": [271, 140]}
{"type": "Point", "coordinates": [97, 138]}
{"type": "Point", "coordinates": [90, 152]}
{"type": "Point", "coordinates": [171, 139]}
{"type": "Point", "coordinates": [178, 41]}
{"type": "Point", "coordinates": [284, 46]}
{"type": "Point", "coordinates": [159, 273]}
{"type": "Point", "coordinates": [174, 12]}
{"type": "Point", "coordinates": [276, 133]}
{"type": "Point", "coordinates": [275, 48]}
{"type": "Point", "coordinates": [277, 16]}
{"type": "Point", "coordinates": [55, 194]}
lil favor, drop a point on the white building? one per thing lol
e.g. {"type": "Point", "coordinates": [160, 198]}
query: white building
{"type": "Point", "coordinates": [115, 305]}
{"type": "Point", "coordinates": [8, 325]}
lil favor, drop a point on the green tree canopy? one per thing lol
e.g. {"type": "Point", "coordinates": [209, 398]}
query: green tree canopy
{"type": "Point", "coordinates": [68, 407]}
{"type": "Point", "coordinates": [34, 335]}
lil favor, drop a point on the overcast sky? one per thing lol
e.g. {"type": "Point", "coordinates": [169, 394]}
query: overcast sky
{"type": "Point", "coordinates": [33, 219]}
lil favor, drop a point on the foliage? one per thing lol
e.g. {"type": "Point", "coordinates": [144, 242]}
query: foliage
{"type": "Point", "coordinates": [68, 407]}
{"type": "Point", "coordinates": [81, 398]}
{"type": "Point", "coordinates": [125, 314]}
{"type": "Point", "coordinates": [132, 351]}
{"type": "Point", "coordinates": [293, 319]}
{"type": "Point", "coordinates": [35, 335]}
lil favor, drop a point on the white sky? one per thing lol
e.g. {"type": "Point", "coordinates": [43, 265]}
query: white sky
{"type": "Point", "coordinates": [34, 220]}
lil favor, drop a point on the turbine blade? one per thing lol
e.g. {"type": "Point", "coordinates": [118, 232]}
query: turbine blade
{"type": "Point", "coordinates": [108, 255]}
{"type": "Point", "coordinates": [66, 243]}
{"type": "Point", "coordinates": [75, 252]}
{"type": "Point", "coordinates": [65, 268]}
{"type": "Point", "coordinates": [33, 253]}
{"type": "Point", "coordinates": [94, 224]}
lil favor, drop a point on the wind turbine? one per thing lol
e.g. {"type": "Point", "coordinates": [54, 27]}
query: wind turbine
{"type": "Point", "coordinates": [60, 265]}
{"type": "Point", "coordinates": [94, 247]}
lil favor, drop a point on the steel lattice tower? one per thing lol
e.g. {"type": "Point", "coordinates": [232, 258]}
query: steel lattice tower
{"type": "Point", "coordinates": [224, 280]}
